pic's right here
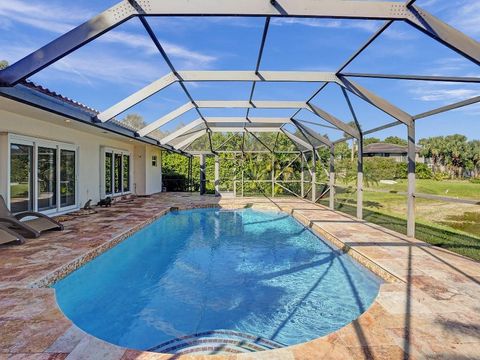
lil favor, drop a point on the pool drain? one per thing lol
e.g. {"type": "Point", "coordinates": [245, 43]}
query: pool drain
{"type": "Point", "coordinates": [216, 342]}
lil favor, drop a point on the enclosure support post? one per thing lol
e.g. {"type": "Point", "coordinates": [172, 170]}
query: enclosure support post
{"type": "Point", "coordinates": [189, 175]}
{"type": "Point", "coordinates": [235, 178]}
{"type": "Point", "coordinates": [331, 182]}
{"type": "Point", "coordinates": [302, 176]}
{"type": "Point", "coordinates": [360, 178]}
{"type": "Point", "coordinates": [273, 175]}
{"type": "Point", "coordinates": [202, 174]}
{"type": "Point", "coordinates": [411, 181]}
{"type": "Point", "coordinates": [243, 165]}
{"type": "Point", "coordinates": [217, 175]}
{"type": "Point", "coordinates": [314, 175]}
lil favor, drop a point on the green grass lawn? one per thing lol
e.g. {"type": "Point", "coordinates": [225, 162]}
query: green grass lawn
{"type": "Point", "coordinates": [449, 225]}
{"type": "Point", "coordinates": [18, 190]}
{"type": "Point", "coordinates": [451, 188]}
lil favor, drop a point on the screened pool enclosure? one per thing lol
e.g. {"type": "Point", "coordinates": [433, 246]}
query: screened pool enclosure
{"type": "Point", "coordinates": [296, 157]}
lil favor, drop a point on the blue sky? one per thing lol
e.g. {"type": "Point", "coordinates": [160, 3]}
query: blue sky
{"type": "Point", "coordinates": [124, 60]}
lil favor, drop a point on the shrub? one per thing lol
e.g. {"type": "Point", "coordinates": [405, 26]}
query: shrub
{"type": "Point", "coordinates": [423, 171]}
{"type": "Point", "coordinates": [475, 181]}
{"type": "Point", "coordinates": [440, 176]}
{"type": "Point", "coordinates": [379, 168]}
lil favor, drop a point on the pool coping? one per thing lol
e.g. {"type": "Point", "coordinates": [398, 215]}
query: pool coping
{"type": "Point", "coordinates": [381, 325]}
{"type": "Point", "coordinates": [63, 271]}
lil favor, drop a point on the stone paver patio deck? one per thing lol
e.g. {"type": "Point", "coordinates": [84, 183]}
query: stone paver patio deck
{"type": "Point", "coordinates": [429, 307]}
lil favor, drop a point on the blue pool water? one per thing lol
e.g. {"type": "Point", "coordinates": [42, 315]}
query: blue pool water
{"type": "Point", "coordinates": [255, 272]}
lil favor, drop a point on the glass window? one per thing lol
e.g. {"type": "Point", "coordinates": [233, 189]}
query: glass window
{"type": "Point", "coordinates": [67, 178]}
{"type": "Point", "coordinates": [47, 178]}
{"type": "Point", "coordinates": [108, 173]}
{"type": "Point", "coordinates": [117, 171]}
{"type": "Point", "coordinates": [126, 173]}
{"type": "Point", "coordinates": [21, 179]}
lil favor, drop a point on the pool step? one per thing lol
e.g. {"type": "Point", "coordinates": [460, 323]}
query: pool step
{"type": "Point", "coordinates": [216, 342]}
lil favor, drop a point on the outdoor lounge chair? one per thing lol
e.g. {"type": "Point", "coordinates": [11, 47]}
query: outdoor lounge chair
{"type": "Point", "coordinates": [31, 227]}
{"type": "Point", "coordinates": [9, 236]}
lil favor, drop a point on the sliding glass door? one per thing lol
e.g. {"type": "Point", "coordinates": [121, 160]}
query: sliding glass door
{"type": "Point", "coordinates": [116, 172]}
{"type": "Point", "coordinates": [126, 173]}
{"type": "Point", "coordinates": [21, 177]}
{"type": "Point", "coordinates": [42, 175]}
{"type": "Point", "coordinates": [67, 178]}
{"type": "Point", "coordinates": [108, 167]}
{"type": "Point", "coordinates": [47, 178]}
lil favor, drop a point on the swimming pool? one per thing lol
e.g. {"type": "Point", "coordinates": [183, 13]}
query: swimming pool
{"type": "Point", "coordinates": [257, 277]}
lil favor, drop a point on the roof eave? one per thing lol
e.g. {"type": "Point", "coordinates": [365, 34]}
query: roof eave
{"type": "Point", "coordinates": [40, 100]}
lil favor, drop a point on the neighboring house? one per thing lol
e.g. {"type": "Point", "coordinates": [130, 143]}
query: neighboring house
{"type": "Point", "coordinates": [397, 152]}
{"type": "Point", "coordinates": [55, 156]}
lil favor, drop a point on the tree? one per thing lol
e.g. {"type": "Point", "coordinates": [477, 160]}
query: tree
{"type": "Point", "coordinates": [370, 140]}
{"type": "Point", "coordinates": [452, 153]}
{"type": "Point", "coordinates": [474, 155]}
{"type": "Point", "coordinates": [395, 140]}
{"type": "Point", "coordinates": [3, 64]}
{"type": "Point", "coordinates": [354, 125]}
{"type": "Point", "coordinates": [135, 121]}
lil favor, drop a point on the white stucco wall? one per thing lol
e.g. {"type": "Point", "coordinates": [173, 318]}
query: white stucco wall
{"type": "Point", "coordinates": [23, 120]}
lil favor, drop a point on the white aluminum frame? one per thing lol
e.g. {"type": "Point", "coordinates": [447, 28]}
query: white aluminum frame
{"type": "Point", "coordinates": [390, 11]}
{"type": "Point", "coordinates": [35, 143]}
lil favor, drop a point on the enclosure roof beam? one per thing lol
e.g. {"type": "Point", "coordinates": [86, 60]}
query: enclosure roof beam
{"type": "Point", "coordinates": [253, 120]}
{"type": "Point", "coordinates": [244, 129]}
{"type": "Point", "coordinates": [137, 97]}
{"type": "Point", "coordinates": [165, 119]}
{"type": "Point", "coordinates": [190, 139]}
{"type": "Point", "coordinates": [124, 10]}
{"type": "Point", "coordinates": [443, 33]}
{"type": "Point", "coordinates": [371, 131]}
{"type": "Point", "coordinates": [259, 58]}
{"type": "Point", "coordinates": [442, 109]}
{"type": "Point", "coordinates": [263, 104]}
{"type": "Point", "coordinates": [181, 131]}
{"type": "Point", "coordinates": [334, 121]}
{"type": "Point", "coordinates": [375, 100]}
{"type": "Point", "coordinates": [187, 76]}
{"type": "Point", "coordinates": [303, 134]}
{"type": "Point", "coordinates": [261, 75]}
{"type": "Point", "coordinates": [297, 140]}
{"type": "Point", "coordinates": [281, 76]}
{"type": "Point", "coordinates": [312, 133]}
{"type": "Point", "coordinates": [370, 40]}
{"type": "Point", "coordinates": [458, 79]}
{"type": "Point", "coordinates": [247, 104]}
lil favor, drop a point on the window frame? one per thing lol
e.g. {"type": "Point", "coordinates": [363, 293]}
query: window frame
{"type": "Point", "coordinates": [52, 144]}
{"type": "Point", "coordinates": [114, 151]}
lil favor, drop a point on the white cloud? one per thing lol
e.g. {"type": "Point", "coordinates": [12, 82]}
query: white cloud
{"type": "Point", "coordinates": [144, 43]}
{"type": "Point", "coordinates": [46, 17]}
{"type": "Point", "coordinates": [443, 92]}
{"type": "Point", "coordinates": [89, 70]}
{"type": "Point", "coordinates": [58, 20]}
{"type": "Point", "coordinates": [462, 14]}
{"type": "Point", "coordinates": [467, 18]}
{"type": "Point", "coordinates": [368, 26]}
{"type": "Point", "coordinates": [447, 94]}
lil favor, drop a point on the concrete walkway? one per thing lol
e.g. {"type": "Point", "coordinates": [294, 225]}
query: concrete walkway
{"type": "Point", "coordinates": [429, 307]}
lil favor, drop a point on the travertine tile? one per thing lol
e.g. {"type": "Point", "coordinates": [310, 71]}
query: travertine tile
{"type": "Point", "coordinates": [428, 307]}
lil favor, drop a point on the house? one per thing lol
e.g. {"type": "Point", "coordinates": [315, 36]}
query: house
{"type": "Point", "coordinates": [57, 157]}
{"type": "Point", "coordinates": [398, 152]}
